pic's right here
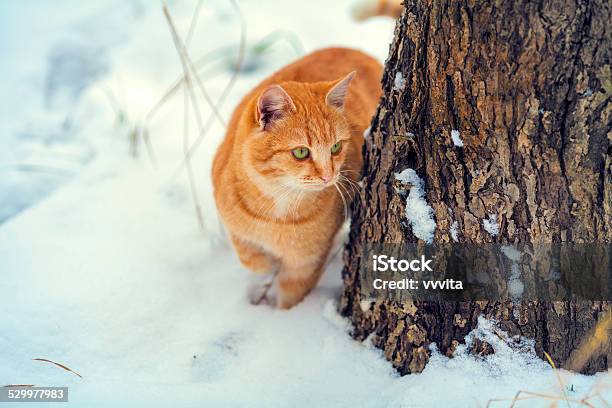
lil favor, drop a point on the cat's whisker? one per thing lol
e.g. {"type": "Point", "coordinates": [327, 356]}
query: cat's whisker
{"type": "Point", "coordinates": [349, 185]}
{"type": "Point", "coordinates": [345, 174]}
{"type": "Point", "coordinates": [343, 201]}
{"type": "Point", "coordinates": [350, 179]}
{"type": "Point", "coordinates": [348, 193]}
{"type": "Point", "coordinates": [345, 189]}
{"type": "Point", "coordinates": [352, 183]}
{"type": "Point", "coordinates": [342, 173]}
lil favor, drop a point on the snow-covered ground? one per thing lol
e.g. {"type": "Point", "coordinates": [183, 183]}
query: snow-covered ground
{"type": "Point", "coordinates": [103, 266]}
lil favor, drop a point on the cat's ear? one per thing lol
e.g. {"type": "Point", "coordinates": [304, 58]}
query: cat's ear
{"type": "Point", "coordinates": [273, 104]}
{"type": "Point", "coordinates": [335, 96]}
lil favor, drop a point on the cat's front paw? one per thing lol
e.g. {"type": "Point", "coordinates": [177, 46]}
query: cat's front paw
{"type": "Point", "coordinates": [261, 292]}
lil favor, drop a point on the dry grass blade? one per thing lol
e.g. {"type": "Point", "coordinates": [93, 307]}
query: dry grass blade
{"type": "Point", "coordinates": [18, 385]}
{"type": "Point", "coordinates": [591, 346]}
{"type": "Point", "coordinates": [176, 85]}
{"type": "Point", "coordinates": [228, 88]}
{"type": "Point", "coordinates": [188, 68]}
{"type": "Point", "coordinates": [187, 59]}
{"type": "Point", "coordinates": [558, 376]}
{"type": "Point", "coordinates": [599, 397]}
{"type": "Point", "coordinates": [194, 192]}
{"type": "Point", "coordinates": [533, 395]}
{"type": "Point", "coordinates": [194, 23]}
{"type": "Point", "coordinates": [595, 391]}
{"type": "Point", "coordinates": [189, 96]}
{"type": "Point", "coordinates": [58, 365]}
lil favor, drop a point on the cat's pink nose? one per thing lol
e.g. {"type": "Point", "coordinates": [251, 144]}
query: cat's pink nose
{"type": "Point", "coordinates": [326, 178]}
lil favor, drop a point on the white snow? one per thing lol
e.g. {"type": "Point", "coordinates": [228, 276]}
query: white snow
{"type": "Point", "coordinates": [103, 266]}
{"type": "Point", "coordinates": [490, 225]}
{"type": "Point", "coordinates": [511, 253]}
{"type": "Point", "coordinates": [516, 287]}
{"type": "Point", "coordinates": [466, 380]}
{"type": "Point", "coordinates": [418, 212]}
{"type": "Point", "coordinates": [367, 133]}
{"type": "Point", "coordinates": [456, 138]}
{"type": "Point", "coordinates": [454, 231]}
{"type": "Point", "coordinates": [365, 304]}
{"type": "Point", "coordinates": [399, 82]}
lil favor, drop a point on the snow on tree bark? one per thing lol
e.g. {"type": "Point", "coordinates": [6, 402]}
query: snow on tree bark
{"type": "Point", "coordinates": [528, 86]}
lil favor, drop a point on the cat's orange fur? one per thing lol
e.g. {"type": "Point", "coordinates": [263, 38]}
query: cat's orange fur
{"type": "Point", "coordinates": [282, 212]}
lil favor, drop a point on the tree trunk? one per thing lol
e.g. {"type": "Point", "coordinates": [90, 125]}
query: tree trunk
{"type": "Point", "coordinates": [528, 85]}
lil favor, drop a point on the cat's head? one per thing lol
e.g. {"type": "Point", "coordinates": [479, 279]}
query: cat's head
{"type": "Point", "coordinates": [300, 136]}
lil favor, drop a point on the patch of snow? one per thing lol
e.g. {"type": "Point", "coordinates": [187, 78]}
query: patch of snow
{"type": "Point", "coordinates": [330, 312]}
{"type": "Point", "coordinates": [516, 287]}
{"type": "Point", "coordinates": [367, 133]}
{"type": "Point", "coordinates": [418, 212]}
{"type": "Point", "coordinates": [511, 253]}
{"type": "Point", "coordinates": [490, 225]}
{"type": "Point", "coordinates": [52, 65]}
{"type": "Point", "coordinates": [399, 82]}
{"type": "Point", "coordinates": [454, 231]}
{"type": "Point", "coordinates": [504, 345]}
{"type": "Point", "coordinates": [456, 138]}
{"type": "Point", "coordinates": [468, 380]}
{"type": "Point", "coordinates": [110, 274]}
{"type": "Point", "coordinates": [365, 304]}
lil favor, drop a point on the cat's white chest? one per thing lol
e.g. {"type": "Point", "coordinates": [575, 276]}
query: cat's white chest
{"type": "Point", "coordinates": [286, 205]}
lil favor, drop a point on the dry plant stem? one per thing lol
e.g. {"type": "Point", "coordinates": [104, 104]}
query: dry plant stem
{"type": "Point", "coordinates": [111, 99]}
{"type": "Point", "coordinates": [180, 81]}
{"type": "Point", "coordinates": [190, 172]}
{"type": "Point", "coordinates": [557, 375]}
{"type": "Point", "coordinates": [599, 397]}
{"type": "Point", "coordinates": [194, 23]}
{"type": "Point", "coordinates": [533, 395]}
{"type": "Point", "coordinates": [18, 385]}
{"type": "Point", "coordinates": [173, 88]}
{"type": "Point", "coordinates": [176, 85]}
{"type": "Point", "coordinates": [202, 89]}
{"type": "Point", "coordinates": [150, 151]}
{"type": "Point", "coordinates": [228, 87]}
{"type": "Point", "coordinates": [191, 176]}
{"type": "Point", "coordinates": [189, 94]}
{"type": "Point", "coordinates": [212, 56]}
{"type": "Point", "coordinates": [549, 397]}
{"type": "Point", "coordinates": [144, 132]}
{"type": "Point", "coordinates": [58, 365]}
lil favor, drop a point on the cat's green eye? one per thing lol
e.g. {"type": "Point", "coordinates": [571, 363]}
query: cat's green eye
{"type": "Point", "coordinates": [335, 149]}
{"type": "Point", "coordinates": [301, 153]}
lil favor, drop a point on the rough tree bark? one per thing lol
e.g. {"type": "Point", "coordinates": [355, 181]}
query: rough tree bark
{"type": "Point", "coordinates": [529, 87]}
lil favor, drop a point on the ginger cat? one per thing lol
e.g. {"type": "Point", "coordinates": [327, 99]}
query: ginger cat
{"type": "Point", "coordinates": [289, 162]}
